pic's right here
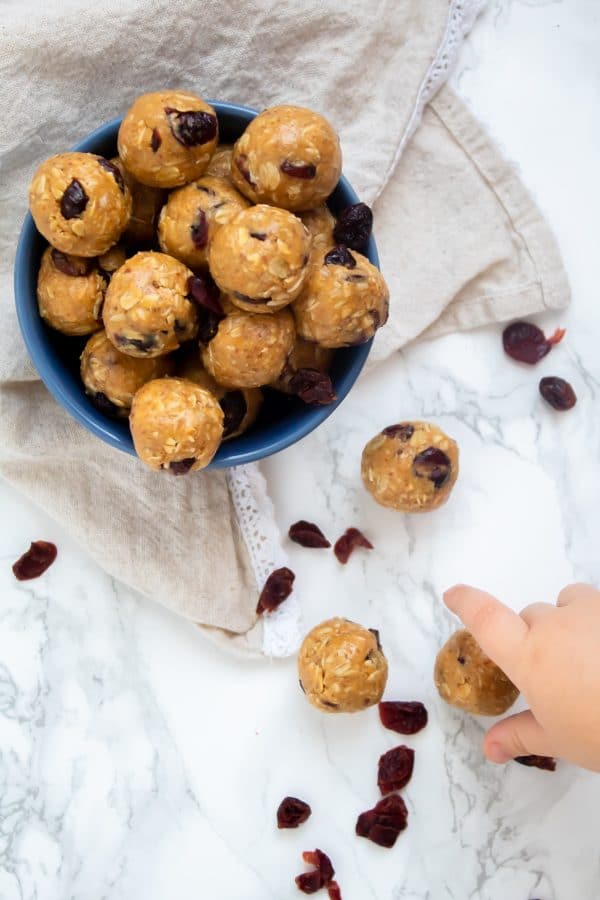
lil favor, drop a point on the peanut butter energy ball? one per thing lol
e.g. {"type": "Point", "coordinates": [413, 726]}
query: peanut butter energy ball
{"type": "Point", "coordinates": [342, 667]}
{"type": "Point", "coordinates": [80, 203]}
{"type": "Point", "coordinates": [465, 677]}
{"type": "Point", "coordinates": [240, 406]}
{"type": "Point", "coordinates": [411, 466]}
{"type": "Point", "coordinates": [70, 293]}
{"type": "Point", "coordinates": [146, 205]}
{"type": "Point", "coordinates": [287, 156]}
{"type": "Point", "coordinates": [147, 310]}
{"type": "Point", "coordinates": [220, 162]}
{"type": "Point", "coordinates": [167, 138]}
{"type": "Point", "coordinates": [344, 301]}
{"type": "Point", "coordinates": [112, 260]}
{"type": "Point", "coordinates": [112, 378]}
{"type": "Point", "coordinates": [304, 355]}
{"type": "Point", "coordinates": [320, 224]}
{"type": "Point", "coordinates": [260, 258]}
{"type": "Point", "coordinates": [193, 214]}
{"type": "Point", "coordinates": [175, 425]}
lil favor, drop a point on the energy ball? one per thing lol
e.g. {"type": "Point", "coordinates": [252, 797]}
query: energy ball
{"type": "Point", "coordinates": [146, 203]}
{"type": "Point", "coordinates": [111, 378]}
{"type": "Point", "coordinates": [220, 162]}
{"type": "Point", "coordinates": [467, 678]}
{"type": "Point", "coordinates": [167, 138]}
{"type": "Point", "coordinates": [240, 406]}
{"type": "Point", "coordinates": [147, 309]}
{"type": "Point", "coordinates": [287, 156]}
{"type": "Point", "coordinates": [411, 466]}
{"type": "Point", "coordinates": [249, 351]}
{"type": "Point", "coordinates": [80, 203]}
{"type": "Point", "coordinates": [319, 223]}
{"type": "Point", "coordinates": [304, 355]}
{"type": "Point", "coordinates": [342, 667]}
{"type": "Point", "coordinates": [175, 425]}
{"type": "Point", "coordinates": [344, 301]}
{"type": "Point", "coordinates": [70, 293]}
{"type": "Point", "coordinates": [112, 260]}
{"type": "Point", "coordinates": [193, 214]}
{"type": "Point", "coordinates": [260, 258]}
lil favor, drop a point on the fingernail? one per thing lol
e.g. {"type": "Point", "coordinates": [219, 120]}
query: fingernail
{"type": "Point", "coordinates": [496, 753]}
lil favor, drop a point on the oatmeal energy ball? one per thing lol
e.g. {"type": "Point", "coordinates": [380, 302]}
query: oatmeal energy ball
{"type": "Point", "coordinates": [342, 667]}
{"type": "Point", "coordinates": [80, 203]}
{"type": "Point", "coordinates": [287, 156]}
{"type": "Point", "coordinates": [112, 260]}
{"type": "Point", "coordinates": [260, 258]}
{"type": "Point", "coordinates": [304, 355]}
{"type": "Point", "coordinates": [344, 301]}
{"type": "Point", "coordinates": [70, 293]}
{"type": "Point", "coordinates": [147, 310]}
{"type": "Point", "coordinates": [146, 203]}
{"type": "Point", "coordinates": [240, 406]}
{"type": "Point", "coordinates": [465, 677]}
{"type": "Point", "coordinates": [167, 138]}
{"type": "Point", "coordinates": [220, 162]}
{"type": "Point", "coordinates": [175, 425]}
{"type": "Point", "coordinates": [320, 224]}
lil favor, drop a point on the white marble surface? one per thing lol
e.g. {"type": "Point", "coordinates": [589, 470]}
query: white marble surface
{"type": "Point", "coordinates": [139, 763]}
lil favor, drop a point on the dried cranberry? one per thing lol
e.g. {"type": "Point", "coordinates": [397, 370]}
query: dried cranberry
{"type": "Point", "coordinates": [333, 889]}
{"type": "Point", "coordinates": [74, 200]}
{"type": "Point", "coordinates": [405, 717]}
{"type": "Point", "coordinates": [114, 171]}
{"type": "Point", "coordinates": [193, 127]}
{"type": "Point", "coordinates": [205, 292]}
{"type": "Point", "coordinates": [104, 405]}
{"type": "Point", "coordinates": [548, 763]}
{"type": "Point", "coordinates": [527, 343]}
{"type": "Point", "coordinates": [35, 561]}
{"type": "Point", "coordinates": [311, 882]}
{"type": "Point", "coordinates": [181, 466]}
{"type": "Point", "coordinates": [384, 822]}
{"type": "Point", "coordinates": [199, 230]}
{"type": "Point", "coordinates": [241, 162]}
{"type": "Point", "coordinates": [351, 539]}
{"type": "Point", "coordinates": [208, 325]}
{"type": "Point", "coordinates": [403, 431]}
{"type": "Point", "coordinates": [433, 464]}
{"type": "Point", "coordinates": [234, 407]}
{"type": "Point", "coordinates": [558, 393]}
{"type": "Point", "coordinates": [155, 140]}
{"type": "Point", "coordinates": [313, 386]}
{"type": "Point", "coordinates": [278, 588]}
{"type": "Point", "coordinates": [375, 633]}
{"type": "Point", "coordinates": [246, 299]}
{"type": "Point", "coordinates": [75, 266]}
{"type": "Point", "coordinates": [146, 343]}
{"type": "Point", "coordinates": [259, 235]}
{"type": "Point", "coordinates": [298, 170]}
{"type": "Point", "coordinates": [292, 812]}
{"type": "Point", "coordinates": [353, 228]}
{"type": "Point", "coordinates": [340, 256]}
{"type": "Point", "coordinates": [395, 769]}
{"type": "Point", "coordinates": [307, 534]}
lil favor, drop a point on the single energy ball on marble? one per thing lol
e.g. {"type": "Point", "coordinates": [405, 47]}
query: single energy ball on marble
{"type": "Point", "coordinates": [411, 466]}
{"type": "Point", "coordinates": [319, 223]}
{"type": "Point", "coordinates": [175, 425]}
{"type": "Point", "coordinates": [112, 378]}
{"type": "Point", "coordinates": [288, 156]}
{"type": "Point", "coordinates": [147, 309]}
{"type": "Point", "coordinates": [467, 678]}
{"type": "Point", "coordinates": [220, 162]}
{"type": "Point", "coordinates": [79, 203]}
{"type": "Point", "coordinates": [249, 350]}
{"type": "Point", "coordinates": [342, 667]}
{"type": "Point", "coordinates": [344, 301]}
{"type": "Point", "coordinates": [146, 204]}
{"type": "Point", "coordinates": [260, 258]}
{"type": "Point", "coordinates": [167, 138]}
{"type": "Point", "coordinates": [304, 355]}
{"type": "Point", "coordinates": [70, 293]}
{"type": "Point", "coordinates": [193, 214]}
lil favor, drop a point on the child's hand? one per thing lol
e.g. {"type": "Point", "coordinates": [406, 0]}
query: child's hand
{"type": "Point", "coordinates": [552, 654]}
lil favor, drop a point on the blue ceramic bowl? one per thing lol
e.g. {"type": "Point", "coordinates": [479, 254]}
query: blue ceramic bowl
{"type": "Point", "coordinates": [283, 420]}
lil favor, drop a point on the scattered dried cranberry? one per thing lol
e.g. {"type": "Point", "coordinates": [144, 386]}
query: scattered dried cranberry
{"type": "Point", "coordinates": [433, 464]}
{"type": "Point", "coordinates": [527, 343]}
{"type": "Point", "coordinates": [35, 561]}
{"type": "Point", "coordinates": [351, 539]}
{"type": "Point", "coordinates": [307, 534]}
{"type": "Point", "coordinates": [353, 227]}
{"type": "Point", "coordinates": [241, 162]}
{"type": "Point", "coordinates": [181, 466]}
{"type": "Point", "coordinates": [155, 140]}
{"type": "Point", "coordinates": [114, 171]}
{"type": "Point", "coordinates": [292, 812]}
{"type": "Point", "coordinates": [395, 769]}
{"type": "Point", "coordinates": [205, 292]}
{"type": "Point", "coordinates": [333, 889]}
{"type": "Point", "coordinates": [384, 822]}
{"type": "Point", "coordinates": [403, 716]}
{"type": "Point", "coordinates": [558, 393]}
{"type": "Point", "coordinates": [298, 170]}
{"type": "Point", "coordinates": [311, 882]}
{"type": "Point", "coordinates": [403, 431]}
{"type": "Point", "coordinates": [259, 235]}
{"type": "Point", "coordinates": [199, 230]}
{"type": "Point", "coordinates": [234, 407]}
{"type": "Point", "coordinates": [75, 266]}
{"type": "Point", "coordinates": [191, 128]}
{"type": "Point", "coordinates": [104, 405]}
{"type": "Point", "coordinates": [313, 386]}
{"type": "Point", "coordinates": [548, 763]}
{"type": "Point", "coordinates": [278, 588]}
{"type": "Point", "coordinates": [74, 200]}
{"type": "Point", "coordinates": [340, 256]}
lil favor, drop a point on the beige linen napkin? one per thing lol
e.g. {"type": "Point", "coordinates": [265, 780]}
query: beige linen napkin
{"type": "Point", "coordinates": [461, 244]}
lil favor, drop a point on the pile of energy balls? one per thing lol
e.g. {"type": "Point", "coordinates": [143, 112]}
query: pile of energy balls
{"type": "Point", "coordinates": [203, 272]}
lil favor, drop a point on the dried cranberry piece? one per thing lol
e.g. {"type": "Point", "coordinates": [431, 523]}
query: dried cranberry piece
{"type": "Point", "coordinates": [309, 882]}
{"type": "Point", "coordinates": [384, 822]}
{"type": "Point", "coordinates": [155, 140]}
{"type": "Point", "coordinates": [322, 864]}
{"type": "Point", "coordinates": [205, 292]}
{"type": "Point", "coordinates": [298, 170]}
{"type": "Point", "coordinates": [146, 343]}
{"type": "Point", "coordinates": [114, 171]}
{"type": "Point", "coordinates": [278, 588]}
{"type": "Point", "coordinates": [75, 266]}
{"type": "Point", "coordinates": [558, 393]}
{"type": "Point", "coordinates": [351, 539]}
{"type": "Point", "coordinates": [375, 633]}
{"type": "Point", "coordinates": [340, 256]}
{"type": "Point", "coordinates": [307, 534]}
{"type": "Point", "coordinates": [208, 325]}
{"type": "Point", "coordinates": [234, 407]}
{"type": "Point", "coordinates": [395, 769]}
{"type": "Point", "coordinates": [259, 235]}
{"type": "Point", "coordinates": [354, 225]}
{"type": "Point", "coordinates": [292, 812]}
{"type": "Point", "coordinates": [104, 405]}
{"type": "Point", "coordinates": [403, 431]}
{"type": "Point", "coordinates": [433, 464]}
{"type": "Point", "coordinates": [246, 299]}
{"type": "Point", "coordinates": [73, 201]}
{"type": "Point", "coordinates": [241, 162]}
{"type": "Point", "coordinates": [548, 763]}
{"type": "Point", "coordinates": [199, 230]}
{"type": "Point", "coordinates": [35, 561]}
{"type": "Point", "coordinates": [527, 343]}
{"type": "Point", "coordinates": [403, 716]}
{"type": "Point", "coordinates": [181, 466]}
{"type": "Point", "coordinates": [333, 889]}
{"type": "Point", "coordinates": [313, 386]}
{"type": "Point", "coordinates": [192, 127]}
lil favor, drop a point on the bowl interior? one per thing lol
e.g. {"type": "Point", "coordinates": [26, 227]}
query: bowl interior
{"type": "Point", "coordinates": [283, 420]}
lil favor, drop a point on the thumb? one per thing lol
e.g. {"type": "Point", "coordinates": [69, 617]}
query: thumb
{"type": "Point", "coordinates": [518, 735]}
